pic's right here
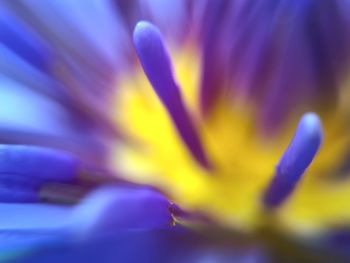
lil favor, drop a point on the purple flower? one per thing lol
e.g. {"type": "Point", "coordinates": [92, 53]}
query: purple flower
{"type": "Point", "coordinates": [158, 130]}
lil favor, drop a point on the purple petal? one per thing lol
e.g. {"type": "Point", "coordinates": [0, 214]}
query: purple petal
{"type": "Point", "coordinates": [111, 208]}
{"type": "Point", "coordinates": [15, 193]}
{"type": "Point", "coordinates": [23, 41]}
{"type": "Point", "coordinates": [38, 162]}
{"type": "Point", "coordinates": [170, 16]}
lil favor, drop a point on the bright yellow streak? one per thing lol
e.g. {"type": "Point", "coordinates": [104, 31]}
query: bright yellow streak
{"type": "Point", "coordinates": [244, 161]}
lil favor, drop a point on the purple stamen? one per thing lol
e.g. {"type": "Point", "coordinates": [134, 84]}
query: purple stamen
{"type": "Point", "coordinates": [157, 67]}
{"type": "Point", "coordinates": [295, 160]}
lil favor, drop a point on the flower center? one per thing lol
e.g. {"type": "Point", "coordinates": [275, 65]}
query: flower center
{"type": "Point", "coordinates": [228, 180]}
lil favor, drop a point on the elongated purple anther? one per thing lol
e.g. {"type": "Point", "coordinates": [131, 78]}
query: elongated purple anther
{"type": "Point", "coordinates": [157, 67]}
{"type": "Point", "coordinates": [295, 160]}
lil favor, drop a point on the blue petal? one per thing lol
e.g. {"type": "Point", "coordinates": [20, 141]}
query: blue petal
{"type": "Point", "coordinates": [36, 113]}
{"type": "Point", "coordinates": [149, 246]}
{"type": "Point", "coordinates": [27, 227]}
{"type": "Point", "coordinates": [24, 169]}
{"type": "Point", "coordinates": [31, 218]}
{"type": "Point", "coordinates": [87, 30]}
{"type": "Point", "coordinates": [41, 120]}
{"type": "Point", "coordinates": [23, 41]}
{"type": "Point", "coordinates": [37, 162]}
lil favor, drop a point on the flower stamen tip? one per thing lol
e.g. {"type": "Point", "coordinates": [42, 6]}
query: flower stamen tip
{"type": "Point", "coordinates": [296, 159]}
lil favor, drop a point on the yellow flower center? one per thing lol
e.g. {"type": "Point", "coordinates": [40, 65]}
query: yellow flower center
{"type": "Point", "coordinates": [244, 160]}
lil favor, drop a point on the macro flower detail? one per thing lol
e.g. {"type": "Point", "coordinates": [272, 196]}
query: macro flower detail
{"type": "Point", "coordinates": [213, 155]}
{"type": "Point", "coordinates": [174, 131]}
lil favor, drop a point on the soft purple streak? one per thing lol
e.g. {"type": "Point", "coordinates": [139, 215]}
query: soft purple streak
{"type": "Point", "coordinates": [295, 160]}
{"type": "Point", "coordinates": [212, 56]}
{"type": "Point", "coordinates": [25, 43]}
{"type": "Point", "coordinates": [157, 67]}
